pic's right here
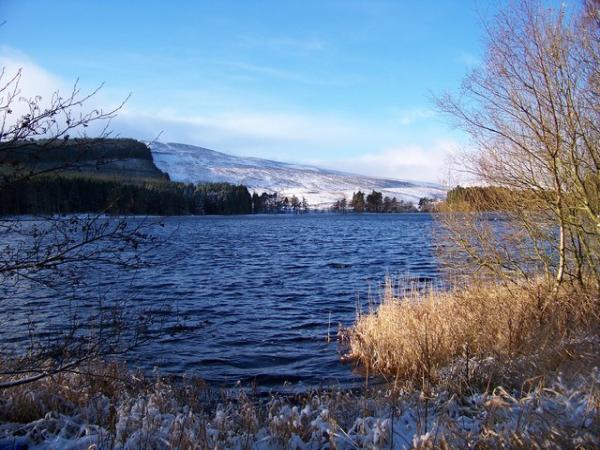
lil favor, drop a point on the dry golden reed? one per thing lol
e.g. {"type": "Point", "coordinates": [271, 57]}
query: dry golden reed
{"type": "Point", "coordinates": [420, 335]}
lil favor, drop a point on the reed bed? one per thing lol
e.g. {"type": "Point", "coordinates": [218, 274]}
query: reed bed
{"type": "Point", "coordinates": [481, 333]}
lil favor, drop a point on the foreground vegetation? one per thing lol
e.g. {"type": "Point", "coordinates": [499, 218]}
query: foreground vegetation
{"type": "Point", "coordinates": [107, 407]}
{"type": "Point", "coordinates": [477, 336]}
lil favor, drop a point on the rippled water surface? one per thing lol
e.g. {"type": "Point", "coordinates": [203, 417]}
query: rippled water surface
{"type": "Point", "coordinates": [260, 293]}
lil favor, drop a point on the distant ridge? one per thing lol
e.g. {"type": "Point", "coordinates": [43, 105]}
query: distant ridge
{"type": "Point", "coordinates": [320, 187]}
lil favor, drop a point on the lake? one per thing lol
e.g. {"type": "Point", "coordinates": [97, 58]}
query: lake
{"type": "Point", "coordinates": [257, 295]}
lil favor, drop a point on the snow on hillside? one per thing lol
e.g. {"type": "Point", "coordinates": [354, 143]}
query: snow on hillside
{"type": "Point", "coordinates": [320, 187]}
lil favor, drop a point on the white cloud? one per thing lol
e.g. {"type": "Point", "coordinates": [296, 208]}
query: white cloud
{"type": "Point", "coordinates": [229, 132]}
{"type": "Point", "coordinates": [33, 79]}
{"type": "Point", "coordinates": [232, 131]}
{"type": "Point", "coordinates": [269, 127]}
{"type": "Point", "coordinates": [268, 71]}
{"type": "Point", "coordinates": [33, 82]}
{"type": "Point", "coordinates": [408, 117]}
{"type": "Point", "coordinates": [415, 162]}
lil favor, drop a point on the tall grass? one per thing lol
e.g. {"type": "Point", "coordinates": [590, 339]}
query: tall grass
{"type": "Point", "coordinates": [479, 333]}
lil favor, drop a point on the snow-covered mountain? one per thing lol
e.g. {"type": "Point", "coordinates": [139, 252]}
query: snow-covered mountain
{"type": "Point", "coordinates": [320, 187]}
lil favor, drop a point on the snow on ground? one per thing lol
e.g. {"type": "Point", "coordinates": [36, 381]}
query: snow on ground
{"type": "Point", "coordinates": [557, 416]}
{"type": "Point", "coordinates": [320, 187]}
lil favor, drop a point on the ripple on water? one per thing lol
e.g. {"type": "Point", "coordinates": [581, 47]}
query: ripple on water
{"type": "Point", "coordinates": [256, 295]}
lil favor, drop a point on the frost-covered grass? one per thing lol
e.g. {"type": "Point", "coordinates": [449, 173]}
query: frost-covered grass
{"type": "Point", "coordinates": [112, 408]}
{"type": "Point", "coordinates": [477, 335]}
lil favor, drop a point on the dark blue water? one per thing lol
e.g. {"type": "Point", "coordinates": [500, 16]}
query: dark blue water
{"type": "Point", "coordinates": [257, 295]}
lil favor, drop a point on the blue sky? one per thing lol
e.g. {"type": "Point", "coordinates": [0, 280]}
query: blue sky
{"type": "Point", "coordinates": [344, 84]}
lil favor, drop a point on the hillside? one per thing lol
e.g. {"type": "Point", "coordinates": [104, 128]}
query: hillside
{"type": "Point", "coordinates": [320, 187]}
{"type": "Point", "coordinates": [125, 160]}
{"type": "Point", "coordinates": [133, 162]}
{"type": "Point", "coordinates": [115, 176]}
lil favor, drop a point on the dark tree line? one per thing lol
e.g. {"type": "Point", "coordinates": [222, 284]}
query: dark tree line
{"type": "Point", "coordinates": [69, 194]}
{"type": "Point", "coordinates": [374, 202]}
{"type": "Point", "coordinates": [273, 203]}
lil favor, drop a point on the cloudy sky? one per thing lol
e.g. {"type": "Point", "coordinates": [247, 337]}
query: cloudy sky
{"type": "Point", "coordinates": [342, 84]}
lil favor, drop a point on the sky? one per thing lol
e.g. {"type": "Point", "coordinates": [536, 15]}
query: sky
{"type": "Point", "coordinates": [347, 85]}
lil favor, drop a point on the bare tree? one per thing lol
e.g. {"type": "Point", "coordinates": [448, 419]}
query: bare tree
{"type": "Point", "coordinates": [55, 254]}
{"type": "Point", "coordinates": [532, 111]}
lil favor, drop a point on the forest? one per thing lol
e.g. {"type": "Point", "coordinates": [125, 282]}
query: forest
{"type": "Point", "coordinates": [75, 194]}
{"type": "Point", "coordinates": [274, 203]}
{"type": "Point", "coordinates": [375, 202]}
